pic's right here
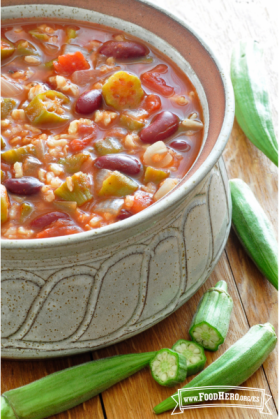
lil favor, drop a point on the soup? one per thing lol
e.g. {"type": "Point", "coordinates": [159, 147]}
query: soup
{"type": "Point", "coordinates": [96, 125]}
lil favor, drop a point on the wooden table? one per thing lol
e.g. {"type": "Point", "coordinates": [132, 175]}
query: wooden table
{"type": "Point", "coordinates": [221, 23]}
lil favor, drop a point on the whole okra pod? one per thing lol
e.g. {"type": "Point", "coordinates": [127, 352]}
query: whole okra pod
{"type": "Point", "coordinates": [211, 321]}
{"type": "Point", "coordinates": [252, 108]}
{"type": "Point", "coordinates": [68, 388]}
{"type": "Point", "coordinates": [254, 230]}
{"type": "Point", "coordinates": [234, 367]}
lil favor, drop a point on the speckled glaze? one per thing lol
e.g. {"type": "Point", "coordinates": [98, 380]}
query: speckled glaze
{"type": "Point", "coordinates": [76, 293]}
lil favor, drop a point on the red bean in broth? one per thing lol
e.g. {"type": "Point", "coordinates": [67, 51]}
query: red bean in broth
{"type": "Point", "coordinates": [123, 49]}
{"type": "Point", "coordinates": [180, 145]}
{"type": "Point", "coordinates": [26, 185]}
{"type": "Point", "coordinates": [89, 102]}
{"type": "Point", "coordinates": [163, 126]}
{"type": "Point", "coordinates": [125, 164]}
{"type": "Point", "coordinates": [124, 214]}
{"type": "Point", "coordinates": [47, 219]}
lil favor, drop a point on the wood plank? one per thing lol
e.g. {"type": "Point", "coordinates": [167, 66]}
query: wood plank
{"type": "Point", "coordinates": [222, 24]}
{"type": "Point", "coordinates": [258, 296]}
{"type": "Point", "coordinates": [19, 373]}
{"type": "Point", "coordinates": [135, 397]}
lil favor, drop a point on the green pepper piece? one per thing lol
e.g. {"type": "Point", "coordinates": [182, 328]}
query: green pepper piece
{"type": "Point", "coordinates": [73, 163]}
{"type": "Point", "coordinates": [7, 105]}
{"type": "Point", "coordinates": [3, 144]}
{"type": "Point", "coordinates": [108, 145]}
{"type": "Point", "coordinates": [155, 175]}
{"type": "Point", "coordinates": [26, 48]}
{"type": "Point", "coordinates": [7, 48]}
{"type": "Point", "coordinates": [5, 203]}
{"type": "Point", "coordinates": [25, 210]}
{"type": "Point", "coordinates": [118, 184]}
{"type": "Point", "coordinates": [81, 189]}
{"type": "Point", "coordinates": [131, 123]}
{"type": "Point", "coordinates": [71, 33]}
{"type": "Point", "coordinates": [43, 37]}
{"type": "Point", "coordinates": [41, 115]}
{"type": "Point", "coordinates": [18, 154]}
{"type": "Point", "coordinates": [168, 367]}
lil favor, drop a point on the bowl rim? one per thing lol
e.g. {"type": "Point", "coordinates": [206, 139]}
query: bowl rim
{"type": "Point", "coordinates": [178, 193]}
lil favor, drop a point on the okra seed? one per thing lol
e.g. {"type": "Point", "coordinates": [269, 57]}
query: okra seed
{"type": "Point", "coordinates": [164, 377]}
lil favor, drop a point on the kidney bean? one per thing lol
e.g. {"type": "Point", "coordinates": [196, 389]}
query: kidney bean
{"type": "Point", "coordinates": [47, 219]}
{"type": "Point", "coordinates": [89, 102]}
{"type": "Point", "coordinates": [180, 145]}
{"type": "Point", "coordinates": [124, 214]}
{"type": "Point", "coordinates": [122, 163]}
{"type": "Point", "coordinates": [123, 49]}
{"type": "Point", "coordinates": [26, 185]}
{"type": "Point", "coordinates": [162, 126]}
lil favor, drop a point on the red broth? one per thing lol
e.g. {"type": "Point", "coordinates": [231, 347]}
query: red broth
{"type": "Point", "coordinates": [97, 125]}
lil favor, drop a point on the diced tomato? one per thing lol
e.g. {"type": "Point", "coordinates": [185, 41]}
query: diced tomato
{"type": "Point", "coordinates": [160, 68]}
{"type": "Point", "coordinates": [152, 80]}
{"type": "Point", "coordinates": [142, 200]}
{"type": "Point", "coordinates": [80, 143]}
{"type": "Point", "coordinates": [69, 63]}
{"type": "Point", "coordinates": [59, 228]}
{"type": "Point", "coordinates": [152, 103]}
{"type": "Point", "coordinates": [86, 129]}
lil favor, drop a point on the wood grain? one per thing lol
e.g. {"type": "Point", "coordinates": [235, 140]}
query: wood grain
{"type": "Point", "coordinates": [221, 23]}
{"type": "Point", "coordinates": [135, 397]}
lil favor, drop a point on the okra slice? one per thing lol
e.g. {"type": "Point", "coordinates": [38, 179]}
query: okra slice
{"type": "Point", "coordinates": [18, 154]}
{"type": "Point", "coordinates": [210, 324]}
{"type": "Point", "coordinates": [75, 188]}
{"type": "Point", "coordinates": [123, 91]}
{"type": "Point", "coordinates": [168, 367]}
{"type": "Point", "coordinates": [194, 354]}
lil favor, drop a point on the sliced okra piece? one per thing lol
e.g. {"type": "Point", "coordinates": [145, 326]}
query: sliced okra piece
{"type": "Point", "coordinates": [168, 367]}
{"type": "Point", "coordinates": [194, 354]}
{"type": "Point", "coordinates": [210, 324]}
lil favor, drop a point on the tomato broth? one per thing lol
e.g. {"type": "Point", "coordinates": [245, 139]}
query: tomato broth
{"type": "Point", "coordinates": [97, 125]}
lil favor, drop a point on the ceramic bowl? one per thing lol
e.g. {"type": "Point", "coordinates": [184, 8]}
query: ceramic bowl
{"type": "Point", "coordinates": [72, 294]}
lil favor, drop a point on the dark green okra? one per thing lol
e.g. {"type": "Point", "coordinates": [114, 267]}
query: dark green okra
{"type": "Point", "coordinates": [168, 367]}
{"type": "Point", "coordinates": [254, 230]}
{"type": "Point", "coordinates": [210, 324]}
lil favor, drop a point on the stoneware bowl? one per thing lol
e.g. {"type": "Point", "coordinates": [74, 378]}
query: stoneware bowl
{"type": "Point", "coordinates": [72, 294]}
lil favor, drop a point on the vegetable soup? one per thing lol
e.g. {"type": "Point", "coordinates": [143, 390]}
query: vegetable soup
{"type": "Point", "coordinates": [96, 125]}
